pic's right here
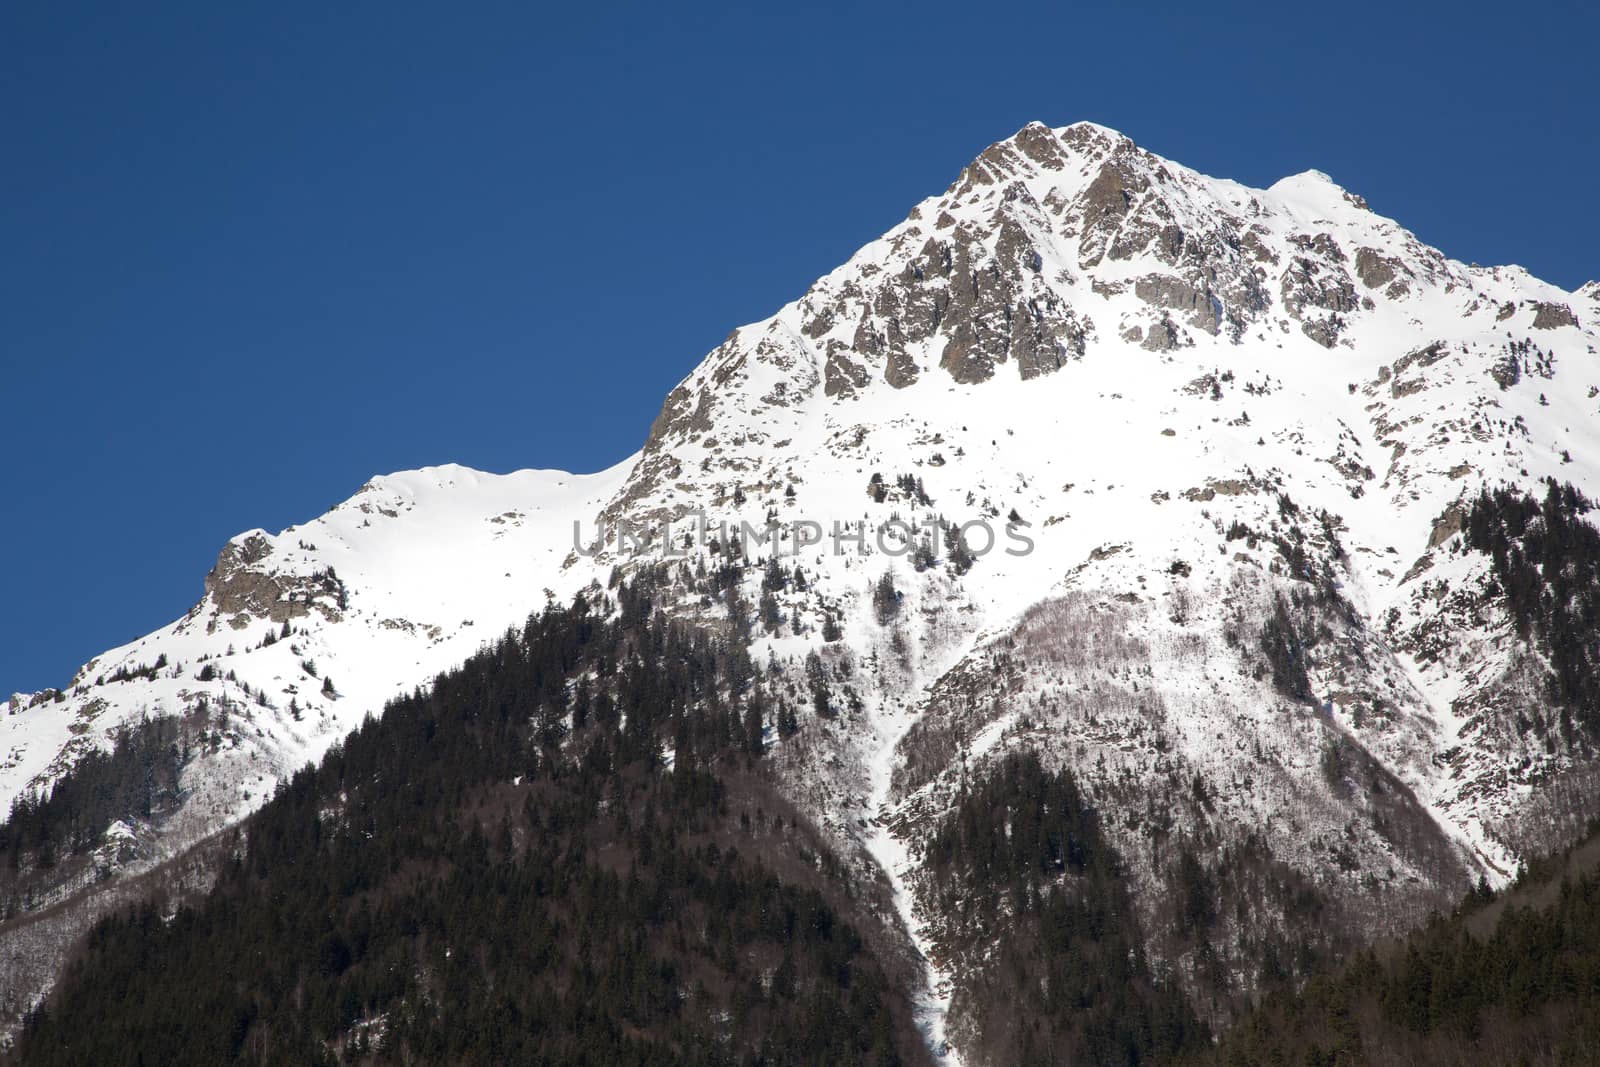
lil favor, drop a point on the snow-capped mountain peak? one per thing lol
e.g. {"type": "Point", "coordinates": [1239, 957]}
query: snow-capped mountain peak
{"type": "Point", "coordinates": [1196, 424]}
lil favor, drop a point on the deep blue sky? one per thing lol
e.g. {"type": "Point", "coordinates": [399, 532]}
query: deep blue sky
{"type": "Point", "coordinates": [251, 254]}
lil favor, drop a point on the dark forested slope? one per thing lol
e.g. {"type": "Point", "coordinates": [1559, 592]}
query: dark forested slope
{"type": "Point", "coordinates": [503, 869]}
{"type": "Point", "coordinates": [1052, 967]}
{"type": "Point", "coordinates": [1509, 978]}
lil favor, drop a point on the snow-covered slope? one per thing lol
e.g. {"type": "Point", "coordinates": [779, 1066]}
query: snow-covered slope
{"type": "Point", "coordinates": [301, 634]}
{"type": "Point", "coordinates": [1130, 355]}
{"type": "Point", "coordinates": [1182, 409]}
{"type": "Point", "coordinates": [1198, 400]}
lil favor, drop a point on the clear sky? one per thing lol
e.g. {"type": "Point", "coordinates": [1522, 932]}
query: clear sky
{"type": "Point", "coordinates": [252, 254]}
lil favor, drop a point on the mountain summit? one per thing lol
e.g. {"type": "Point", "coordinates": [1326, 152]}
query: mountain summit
{"type": "Point", "coordinates": [1240, 478]}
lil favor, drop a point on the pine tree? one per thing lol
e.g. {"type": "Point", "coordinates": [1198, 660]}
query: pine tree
{"type": "Point", "coordinates": [961, 558]}
{"type": "Point", "coordinates": [788, 722]}
{"type": "Point", "coordinates": [885, 599]}
{"type": "Point", "coordinates": [830, 628]}
{"type": "Point", "coordinates": [754, 726]}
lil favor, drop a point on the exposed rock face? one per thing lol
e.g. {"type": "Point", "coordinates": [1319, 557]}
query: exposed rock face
{"type": "Point", "coordinates": [1201, 307]}
{"type": "Point", "coordinates": [240, 591]}
{"type": "Point", "coordinates": [1103, 209]}
{"type": "Point", "coordinates": [1164, 336]}
{"type": "Point", "coordinates": [1316, 279]}
{"type": "Point", "coordinates": [843, 373]}
{"type": "Point", "coordinates": [1379, 271]}
{"type": "Point", "coordinates": [976, 324]}
{"type": "Point", "coordinates": [1045, 336]}
{"type": "Point", "coordinates": [1549, 316]}
{"type": "Point", "coordinates": [1447, 526]}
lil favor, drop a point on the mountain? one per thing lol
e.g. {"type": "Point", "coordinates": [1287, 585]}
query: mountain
{"type": "Point", "coordinates": [1220, 456]}
{"type": "Point", "coordinates": [1505, 978]}
{"type": "Point", "coordinates": [404, 579]}
{"type": "Point", "coordinates": [298, 637]}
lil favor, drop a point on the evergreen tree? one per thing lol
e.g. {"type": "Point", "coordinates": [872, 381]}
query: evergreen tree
{"type": "Point", "coordinates": [885, 599]}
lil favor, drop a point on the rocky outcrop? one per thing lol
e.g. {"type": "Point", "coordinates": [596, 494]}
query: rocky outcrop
{"type": "Point", "coordinates": [843, 373]}
{"type": "Point", "coordinates": [1046, 335]}
{"type": "Point", "coordinates": [683, 414]}
{"type": "Point", "coordinates": [1200, 306]}
{"type": "Point", "coordinates": [1552, 316]}
{"type": "Point", "coordinates": [240, 590]}
{"type": "Point", "coordinates": [1447, 525]}
{"type": "Point", "coordinates": [976, 323]}
{"type": "Point", "coordinates": [1378, 271]}
{"type": "Point", "coordinates": [1164, 336]}
{"type": "Point", "coordinates": [1104, 205]}
{"type": "Point", "coordinates": [1318, 281]}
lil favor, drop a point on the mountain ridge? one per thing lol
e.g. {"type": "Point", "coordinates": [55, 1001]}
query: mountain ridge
{"type": "Point", "coordinates": [1241, 433]}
